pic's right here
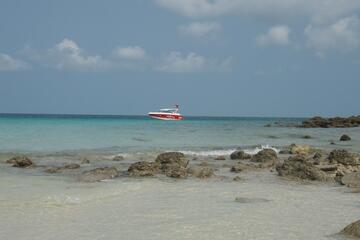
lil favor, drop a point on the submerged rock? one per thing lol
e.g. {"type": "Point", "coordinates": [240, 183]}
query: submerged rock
{"type": "Point", "coordinates": [343, 156]}
{"type": "Point", "coordinates": [336, 122]}
{"type": "Point", "coordinates": [99, 174]}
{"type": "Point", "coordinates": [352, 230]}
{"type": "Point", "coordinates": [118, 158]}
{"type": "Point", "coordinates": [84, 161]}
{"type": "Point", "coordinates": [201, 172]}
{"type": "Point", "coordinates": [61, 169]}
{"type": "Point", "coordinates": [299, 167]}
{"type": "Point", "coordinates": [306, 137]}
{"type": "Point", "coordinates": [345, 137]}
{"type": "Point", "coordinates": [240, 167]}
{"type": "Point", "coordinates": [237, 179]}
{"type": "Point", "coordinates": [351, 180]}
{"type": "Point", "coordinates": [241, 155]}
{"type": "Point", "coordinates": [21, 162]}
{"type": "Point", "coordinates": [143, 169]}
{"type": "Point", "coordinates": [251, 200]}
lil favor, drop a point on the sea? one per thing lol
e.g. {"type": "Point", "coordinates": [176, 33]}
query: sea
{"type": "Point", "coordinates": [35, 205]}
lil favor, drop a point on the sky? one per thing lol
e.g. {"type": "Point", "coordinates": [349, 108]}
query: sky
{"type": "Point", "coordinates": [280, 58]}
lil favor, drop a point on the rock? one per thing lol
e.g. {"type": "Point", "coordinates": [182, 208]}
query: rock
{"type": "Point", "coordinates": [345, 138]}
{"type": "Point", "coordinates": [342, 156]}
{"type": "Point", "coordinates": [336, 122]}
{"type": "Point", "coordinates": [237, 179]}
{"type": "Point", "coordinates": [201, 172]}
{"type": "Point", "coordinates": [61, 169]}
{"type": "Point", "coordinates": [220, 158]}
{"type": "Point", "coordinates": [239, 167]}
{"type": "Point", "coordinates": [143, 169]}
{"type": "Point", "coordinates": [21, 162]}
{"type": "Point", "coordinates": [99, 174]}
{"type": "Point", "coordinates": [284, 151]}
{"type": "Point", "coordinates": [352, 230]}
{"type": "Point", "coordinates": [267, 125]}
{"type": "Point", "coordinates": [118, 158]}
{"type": "Point", "coordinates": [307, 137]}
{"type": "Point", "coordinates": [332, 142]}
{"type": "Point", "coordinates": [317, 155]}
{"type": "Point", "coordinates": [302, 150]}
{"type": "Point", "coordinates": [239, 155]}
{"type": "Point", "coordinates": [176, 171]}
{"type": "Point", "coordinates": [299, 167]}
{"type": "Point", "coordinates": [84, 161]}
{"type": "Point", "coordinates": [266, 157]}
{"type": "Point", "coordinates": [171, 158]}
{"type": "Point", "coordinates": [351, 180]}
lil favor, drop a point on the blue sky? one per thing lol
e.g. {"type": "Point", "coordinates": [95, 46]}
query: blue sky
{"type": "Point", "coordinates": [220, 57]}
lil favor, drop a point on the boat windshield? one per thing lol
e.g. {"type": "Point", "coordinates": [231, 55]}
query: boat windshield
{"type": "Point", "coordinates": [170, 110]}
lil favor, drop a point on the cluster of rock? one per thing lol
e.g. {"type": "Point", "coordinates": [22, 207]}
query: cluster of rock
{"type": "Point", "coordinates": [171, 164]}
{"type": "Point", "coordinates": [310, 164]}
{"type": "Point", "coordinates": [336, 122]}
{"type": "Point", "coordinates": [263, 159]}
{"type": "Point", "coordinates": [21, 162]}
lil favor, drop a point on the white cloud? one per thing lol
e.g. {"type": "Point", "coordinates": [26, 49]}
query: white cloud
{"type": "Point", "coordinates": [8, 63]}
{"type": "Point", "coordinates": [200, 29]}
{"type": "Point", "coordinates": [341, 36]}
{"type": "Point", "coordinates": [131, 52]}
{"type": "Point", "coordinates": [177, 63]}
{"type": "Point", "coordinates": [317, 9]}
{"type": "Point", "coordinates": [277, 35]}
{"type": "Point", "coordinates": [68, 55]}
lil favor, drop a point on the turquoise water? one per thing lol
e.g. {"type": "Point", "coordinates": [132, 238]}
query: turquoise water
{"type": "Point", "coordinates": [49, 133]}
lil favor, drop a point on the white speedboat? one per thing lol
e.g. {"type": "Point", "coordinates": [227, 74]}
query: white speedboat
{"type": "Point", "coordinates": [167, 114]}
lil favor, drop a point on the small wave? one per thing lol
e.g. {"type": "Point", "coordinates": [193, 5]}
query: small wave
{"type": "Point", "coordinates": [251, 151]}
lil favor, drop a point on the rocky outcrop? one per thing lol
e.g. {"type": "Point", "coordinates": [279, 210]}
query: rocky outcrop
{"type": "Point", "coordinates": [99, 174]}
{"type": "Point", "coordinates": [352, 230]}
{"type": "Point", "coordinates": [21, 162]}
{"type": "Point", "coordinates": [336, 122]}
{"type": "Point", "coordinates": [201, 172]}
{"type": "Point", "coordinates": [344, 138]}
{"type": "Point", "coordinates": [342, 156]}
{"type": "Point", "coordinates": [144, 169]}
{"type": "Point", "coordinates": [118, 158]}
{"type": "Point", "coordinates": [351, 180]}
{"type": "Point", "coordinates": [299, 167]}
{"type": "Point", "coordinates": [173, 164]}
{"type": "Point", "coordinates": [266, 157]}
{"type": "Point", "coordinates": [241, 155]}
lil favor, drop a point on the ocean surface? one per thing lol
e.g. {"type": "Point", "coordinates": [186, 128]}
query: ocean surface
{"type": "Point", "coordinates": [35, 205]}
{"type": "Point", "coordinates": [132, 134]}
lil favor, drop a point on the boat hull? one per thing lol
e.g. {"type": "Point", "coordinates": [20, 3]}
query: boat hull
{"type": "Point", "coordinates": [168, 117]}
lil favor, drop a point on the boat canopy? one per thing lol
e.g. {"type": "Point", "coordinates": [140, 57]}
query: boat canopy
{"type": "Point", "coordinates": [168, 110]}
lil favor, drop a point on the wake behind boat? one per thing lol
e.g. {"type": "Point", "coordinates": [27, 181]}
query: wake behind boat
{"type": "Point", "coordinates": [167, 114]}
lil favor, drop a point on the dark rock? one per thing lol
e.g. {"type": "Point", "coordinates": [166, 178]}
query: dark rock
{"type": "Point", "coordinates": [239, 155]}
{"type": "Point", "coordinates": [201, 172]}
{"type": "Point", "coordinates": [307, 137]}
{"type": "Point", "coordinates": [351, 180]}
{"type": "Point", "coordinates": [143, 169]}
{"type": "Point", "coordinates": [342, 156]}
{"type": "Point", "coordinates": [221, 158]}
{"type": "Point", "coordinates": [99, 174]}
{"type": "Point", "coordinates": [284, 151]}
{"type": "Point", "coordinates": [345, 138]}
{"type": "Point", "coordinates": [299, 167]}
{"type": "Point", "coordinates": [118, 158]}
{"type": "Point", "coordinates": [317, 155]}
{"type": "Point", "coordinates": [267, 125]}
{"type": "Point", "coordinates": [266, 157]}
{"type": "Point", "coordinates": [239, 167]}
{"type": "Point", "coordinates": [352, 230]}
{"type": "Point", "coordinates": [332, 142]}
{"type": "Point", "coordinates": [237, 179]}
{"type": "Point", "coordinates": [61, 169]}
{"type": "Point", "coordinates": [21, 162]}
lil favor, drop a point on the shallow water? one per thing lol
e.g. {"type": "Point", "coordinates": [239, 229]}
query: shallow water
{"type": "Point", "coordinates": [39, 207]}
